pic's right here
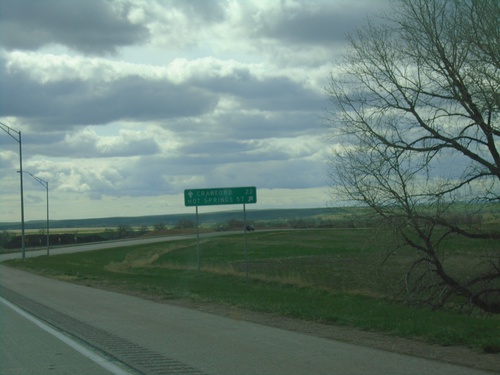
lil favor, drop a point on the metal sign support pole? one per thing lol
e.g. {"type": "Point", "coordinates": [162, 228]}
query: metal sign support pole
{"type": "Point", "coordinates": [48, 235]}
{"type": "Point", "coordinates": [245, 236]}
{"type": "Point", "coordinates": [198, 239]}
{"type": "Point", "coordinates": [23, 243]}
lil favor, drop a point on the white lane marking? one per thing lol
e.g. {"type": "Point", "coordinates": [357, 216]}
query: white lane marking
{"type": "Point", "coordinates": [101, 361]}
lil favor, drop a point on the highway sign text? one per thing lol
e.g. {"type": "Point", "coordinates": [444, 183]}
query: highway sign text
{"type": "Point", "coordinates": [220, 196]}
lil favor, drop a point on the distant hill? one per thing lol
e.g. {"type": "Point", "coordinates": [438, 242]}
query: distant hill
{"type": "Point", "coordinates": [170, 220]}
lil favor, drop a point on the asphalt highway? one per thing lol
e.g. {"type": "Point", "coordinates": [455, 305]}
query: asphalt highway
{"type": "Point", "coordinates": [30, 346]}
{"type": "Point", "coordinates": [144, 337]}
{"type": "Point", "coordinates": [99, 246]}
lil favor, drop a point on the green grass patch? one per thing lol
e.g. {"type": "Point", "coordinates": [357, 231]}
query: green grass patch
{"type": "Point", "coordinates": [329, 276]}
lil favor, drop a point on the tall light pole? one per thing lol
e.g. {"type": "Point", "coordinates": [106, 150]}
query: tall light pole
{"type": "Point", "coordinates": [45, 184]}
{"type": "Point", "coordinates": [17, 138]}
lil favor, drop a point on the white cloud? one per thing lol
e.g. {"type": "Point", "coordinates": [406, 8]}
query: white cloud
{"type": "Point", "coordinates": [124, 104]}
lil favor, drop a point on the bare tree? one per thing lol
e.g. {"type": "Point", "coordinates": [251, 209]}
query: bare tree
{"type": "Point", "coordinates": [416, 133]}
{"type": "Point", "coordinates": [124, 231]}
{"type": "Point", "coordinates": [159, 226]}
{"type": "Point", "coordinates": [185, 224]}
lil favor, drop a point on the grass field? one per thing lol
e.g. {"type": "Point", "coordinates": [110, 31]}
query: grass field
{"type": "Point", "coordinates": [330, 276]}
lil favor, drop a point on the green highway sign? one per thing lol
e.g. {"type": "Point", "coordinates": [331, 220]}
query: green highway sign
{"type": "Point", "coordinates": [219, 196]}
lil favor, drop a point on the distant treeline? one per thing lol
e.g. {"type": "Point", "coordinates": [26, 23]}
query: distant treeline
{"type": "Point", "coordinates": [124, 228]}
{"type": "Point", "coordinates": [172, 220]}
{"type": "Point", "coordinates": [9, 241]}
{"type": "Point", "coordinates": [221, 221]}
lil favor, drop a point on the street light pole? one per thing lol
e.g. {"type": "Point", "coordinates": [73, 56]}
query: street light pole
{"type": "Point", "coordinates": [45, 184]}
{"type": "Point", "coordinates": [10, 132]}
{"type": "Point", "coordinates": [48, 236]}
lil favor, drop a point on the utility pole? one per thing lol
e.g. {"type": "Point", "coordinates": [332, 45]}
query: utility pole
{"type": "Point", "coordinates": [16, 135]}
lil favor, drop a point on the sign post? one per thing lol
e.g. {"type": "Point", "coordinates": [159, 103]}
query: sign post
{"type": "Point", "coordinates": [245, 239]}
{"type": "Point", "coordinates": [197, 240]}
{"type": "Point", "coordinates": [221, 196]}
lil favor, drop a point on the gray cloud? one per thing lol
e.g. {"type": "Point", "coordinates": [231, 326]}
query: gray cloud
{"type": "Point", "coordinates": [89, 147]}
{"type": "Point", "coordinates": [293, 174]}
{"type": "Point", "coordinates": [224, 148]}
{"type": "Point", "coordinates": [183, 94]}
{"type": "Point", "coordinates": [271, 93]}
{"type": "Point", "coordinates": [206, 11]}
{"type": "Point", "coordinates": [71, 102]}
{"type": "Point", "coordinates": [90, 26]}
{"type": "Point", "coordinates": [310, 22]}
{"type": "Point", "coordinates": [313, 25]}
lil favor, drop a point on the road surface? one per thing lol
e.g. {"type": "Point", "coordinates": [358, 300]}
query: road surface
{"type": "Point", "coordinates": [100, 245]}
{"type": "Point", "coordinates": [29, 346]}
{"type": "Point", "coordinates": [155, 338]}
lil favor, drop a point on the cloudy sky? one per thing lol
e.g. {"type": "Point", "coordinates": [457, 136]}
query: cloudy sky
{"type": "Point", "coordinates": [124, 104]}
